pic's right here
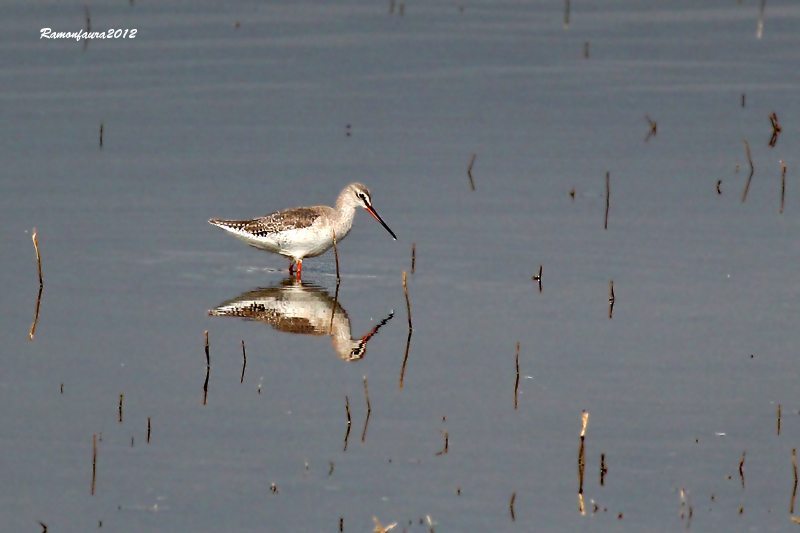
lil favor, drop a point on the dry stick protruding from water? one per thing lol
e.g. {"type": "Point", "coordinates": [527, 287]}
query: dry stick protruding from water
{"type": "Point", "coordinates": [752, 170]}
{"type": "Point", "coordinates": [566, 14]}
{"type": "Point", "coordinates": [653, 128]}
{"type": "Point", "coordinates": [101, 135]}
{"type": "Point", "coordinates": [511, 506]}
{"type": "Point", "coordinates": [776, 129]}
{"type": "Point", "coordinates": [244, 361]}
{"type": "Point", "coordinates": [794, 490]}
{"type": "Point", "coordinates": [341, 525]}
{"type": "Point", "coordinates": [608, 196]}
{"type": "Point", "coordinates": [88, 25]}
{"type": "Point", "coordinates": [120, 408]}
{"type": "Point", "coordinates": [611, 300]}
{"type": "Point", "coordinates": [410, 329]}
{"type": "Point", "coordinates": [719, 182]}
{"type": "Point", "coordinates": [38, 257]}
{"type": "Point", "coordinates": [779, 419]}
{"type": "Point", "coordinates": [208, 371]}
{"type": "Point", "coordinates": [742, 99]}
{"type": "Point", "coordinates": [783, 183]}
{"type": "Point", "coordinates": [741, 468]}
{"type": "Point", "coordinates": [148, 430]}
{"type": "Point", "coordinates": [413, 256]}
{"type": "Point", "coordinates": [369, 410]}
{"type": "Point", "coordinates": [446, 443]}
{"type": "Point", "coordinates": [44, 527]}
{"type": "Point", "coordinates": [516, 386]}
{"type": "Point", "coordinates": [582, 461]}
{"type": "Point", "coordinates": [347, 408]}
{"type": "Point", "coordinates": [94, 461]}
{"type": "Point", "coordinates": [41, 283]}
{"type": "Point", "coordinates": [469, 171]}
{"type": "Point", "coordinates": [603, 469]}
{"type": "Point", "coordinates": [538, 278]}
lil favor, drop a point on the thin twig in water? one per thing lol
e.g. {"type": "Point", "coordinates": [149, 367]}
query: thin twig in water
{"type": "Point", "coordinates": [88, 26]}
{"type": "Point", "coordinates": [794, 490]}
{"type": "Point", "coordinates": [120, 408]}
{"type": "Point", "coordinates": [611, 300]}
{"type": "Point", "coordinates": [413, 256]}
{"type": "Point", "coordinates": [208, 371]}
{"type": "Point", "coordinates": [369, 410]}
{"type": "Point", "coordinates": [608, 196]}
{"type": "Point", "coordinates": [244, 361]}
{"type": "Point", "coordinates": [752, 170]}
{"type": "Point", "coordinates": [101, 135]}
{"type": "Point", "coordinates": [783, 183]}
{"type": "Point", "coordinates": [516, 386]}
{"type": "Point", "coordinates": [776, 129]}
{"type": "Point", "coordinates": [511, 506]}
{"type": "Point", "coordinates": [94, 461]}
{"type": "Point", "coordinates": [410, 329]}
{"type": "Point", "coordinates": [653, 128]}
{"type": "Point", "coordinates": [469, 171]}
{"type": "Point", "coordinates": [41, 284]}
{"type": "Point", "coordinates": [347, 435]}
{"type": "Point", "coordinates": [538, 278]}
{"type": "Point", "coordinates": [741, 468]}
{"type": "Point", "coordinates": [566, 14]}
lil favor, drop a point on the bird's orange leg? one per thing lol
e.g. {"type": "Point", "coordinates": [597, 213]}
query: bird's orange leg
{"type": "Point", "coordinates": [299, 269]}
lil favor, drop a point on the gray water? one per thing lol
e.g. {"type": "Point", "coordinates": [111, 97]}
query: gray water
{"type": "Point", "coordinates": [202, 119]}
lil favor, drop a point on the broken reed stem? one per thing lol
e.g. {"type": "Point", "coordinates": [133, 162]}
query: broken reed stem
{"type": "Point", "coordinates": [752, 170]}
{"type": "Point", "coordinates": [88, 25]}
{"type": "Point", "coordinates": [38, 257]}
{"type": "Point", "coordinates": [347, 408]}
{"type": "Point", "coordinates": [410, 329]}
{"type": "Point", "coordinates": [369, 410]}
{"type": "Point", "coordinates": [94, 461]}
{"type": "Point", "coordinates": [611, 300]}
{"type": "Point", "coordinates": [582, 459]}
{"type": "Point", "coordinates": [244, 361]}
{"type": "Point", "coordinates": [120, 408]}
{"type": "Point", "coordinates": [36, 315]}
{"type": "Point", "coordinates": [603, 469]}
{"type": "Point", "coordinates": [741, 468]}
{"type": "Point", "coordinates": [511, 505]}
{"type": "Point", "coordinates": [41, 283]}
{"type": "Point", "coordinates": [336, 255]}
{"type": "Point", "coordinates": [779, 419]}
{"type": "Point", "coordinates": [408, 303]}
{"type": "Point", "coordinates": [469, 171]}
{"type": "Point", "coordinates": [794, 490]}
{"type": "Point", "coordinates": [101, 135]}
{"type": "Point", "coordinates": [208, 371]}
{"type": "Point", "coordinates": [608, 196]}
{"type": "Point", "coordinates": [413, 256]}
{"type": "Point", "coordinates": [516, 386]}
{"type": "Point", "coordinates": [148, 430]}
{"type": "Point", "coordinates": [783, 183]}
{"type": "Point", "coordinates": [446, 443]}
{"type": "Point", "coordinates": [405, 359]}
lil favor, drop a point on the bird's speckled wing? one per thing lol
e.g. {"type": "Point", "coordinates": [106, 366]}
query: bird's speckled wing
{"type": "Point", "coordinates": [298, 218]}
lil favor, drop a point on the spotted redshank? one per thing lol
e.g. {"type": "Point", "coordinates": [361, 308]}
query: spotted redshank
{"type": "Point", "coordinates": [304, 231]}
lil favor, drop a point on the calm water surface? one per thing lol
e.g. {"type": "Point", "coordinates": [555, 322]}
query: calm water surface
{"type": "Point", "coordinates": [204, 119]}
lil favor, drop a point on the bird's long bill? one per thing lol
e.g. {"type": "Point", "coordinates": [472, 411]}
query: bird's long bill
{"type": "Point", "coordinates": [379, 219]}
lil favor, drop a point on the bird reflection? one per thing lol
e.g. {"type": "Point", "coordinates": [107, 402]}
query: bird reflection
{"type": "Point", "coordinates": [298, 307]}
